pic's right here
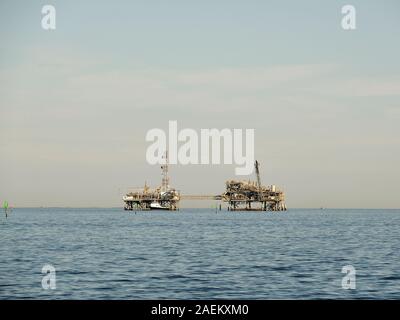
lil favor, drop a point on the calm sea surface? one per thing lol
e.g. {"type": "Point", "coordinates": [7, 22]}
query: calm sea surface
{"type": "Point", "coordinates": [199, 254]}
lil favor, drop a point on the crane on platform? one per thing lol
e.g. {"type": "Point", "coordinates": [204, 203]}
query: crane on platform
{"type": "Point", "coordinates": [256, 167]}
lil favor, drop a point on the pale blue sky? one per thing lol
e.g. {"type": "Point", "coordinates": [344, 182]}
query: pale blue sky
{"type": "Point", "coordinates": [76, 103]}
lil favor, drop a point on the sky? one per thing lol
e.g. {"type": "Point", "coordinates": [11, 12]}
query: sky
{"type": "Point", "coordinates": [76, 102]}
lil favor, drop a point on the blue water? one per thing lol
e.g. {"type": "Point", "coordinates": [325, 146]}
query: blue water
{"type": "Point", "coordinates": [199, 254]}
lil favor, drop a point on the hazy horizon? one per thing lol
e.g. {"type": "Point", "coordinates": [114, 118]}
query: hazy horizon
{"type": "Point", "coordinates": [184, 207]}
{"type": "Point", "coordinates": [76, 102]}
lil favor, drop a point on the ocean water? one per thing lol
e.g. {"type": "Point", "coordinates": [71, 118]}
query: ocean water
{"type": "Point", "coordinates": [199, 254]}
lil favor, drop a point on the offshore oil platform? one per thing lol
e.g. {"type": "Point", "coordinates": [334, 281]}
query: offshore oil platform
{"type": "Point", "coordinates": [243, 195]}
{"type": "Point", "coordinates": [161, 198]}
{"type": "Point", "coordinates": [252, 196]}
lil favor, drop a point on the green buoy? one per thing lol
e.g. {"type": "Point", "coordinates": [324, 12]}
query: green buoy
{"type": "Point", "coordinates": [5, 206]}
